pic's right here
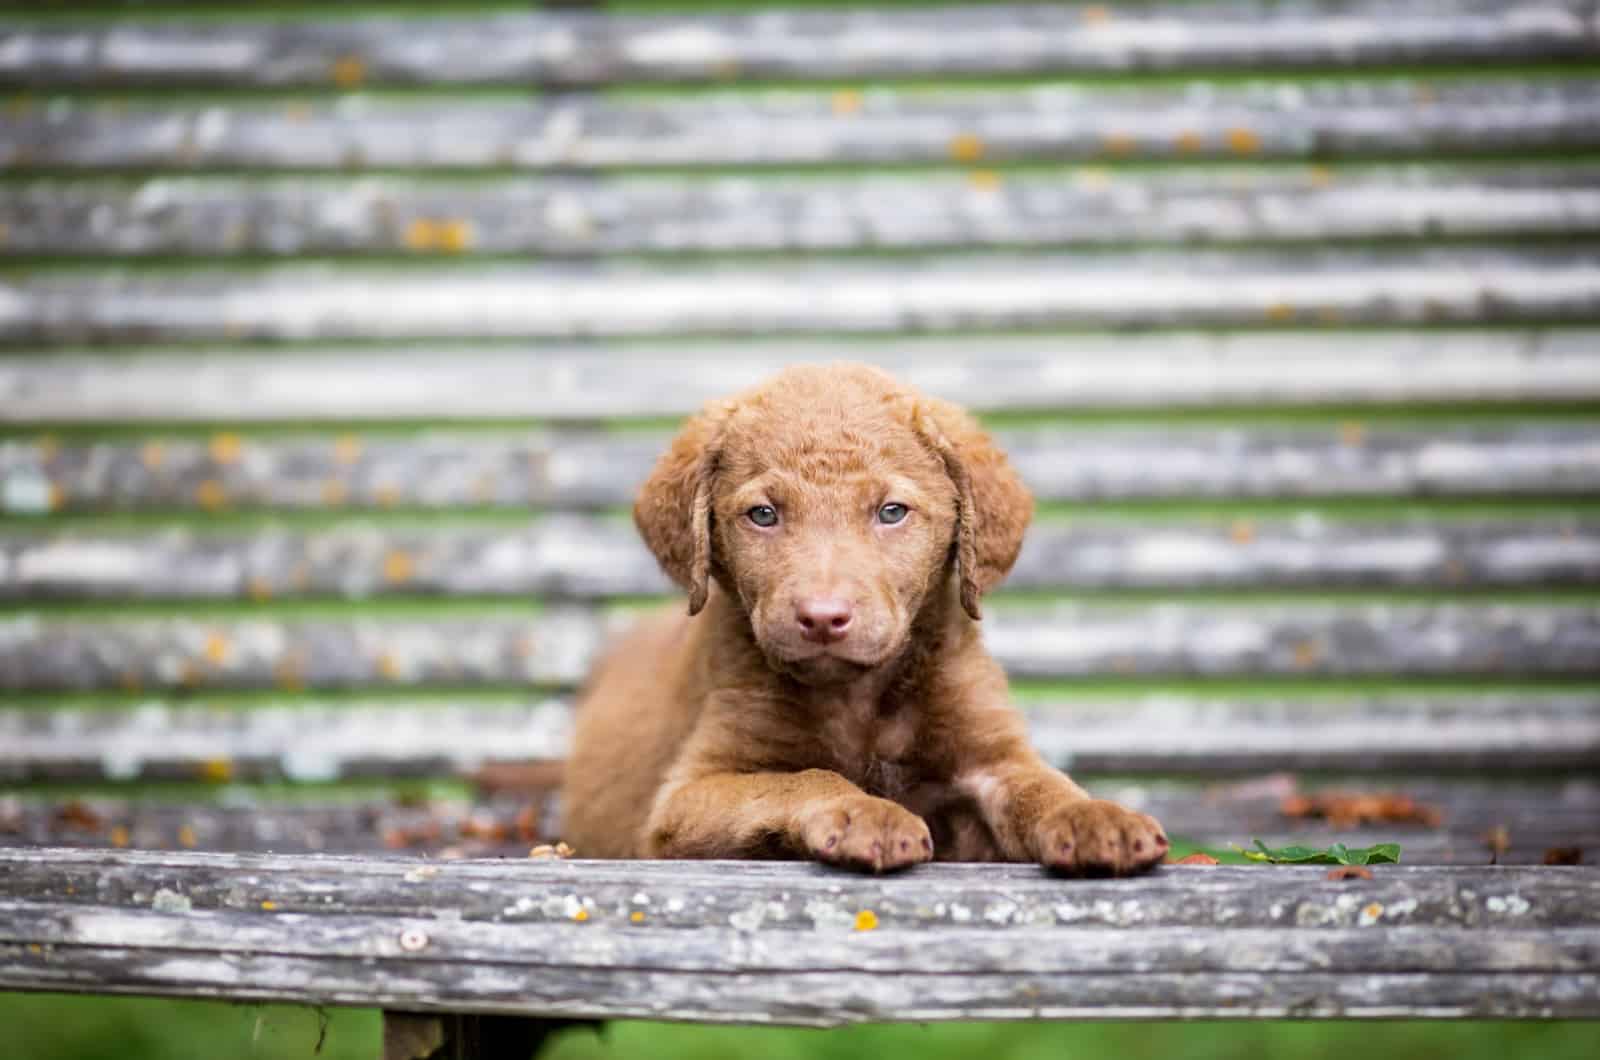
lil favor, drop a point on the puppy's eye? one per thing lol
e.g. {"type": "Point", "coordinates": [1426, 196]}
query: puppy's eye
{"type": "Point", "coordinates": [892, 513]}
{"type": "Point", "coordinates": [763, 515]}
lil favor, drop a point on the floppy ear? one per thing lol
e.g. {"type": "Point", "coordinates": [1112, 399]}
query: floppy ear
{"type": "Point", "coordinates": [994, 506]}
{"type": "Point", "coordinates": [673, 510]}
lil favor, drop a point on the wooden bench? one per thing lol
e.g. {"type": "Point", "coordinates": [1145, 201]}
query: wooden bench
{"type": "Point", "coordinates": [325, 382]}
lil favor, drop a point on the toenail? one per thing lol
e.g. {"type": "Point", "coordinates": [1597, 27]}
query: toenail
{"type": "Point", "coordinates": [832, 842]}
{"type": "Point", "coordinates": [927, 844]}
{"type": "Point", "coordinates": [1138, 846]}
{"type": "Point", "coordinates": [905, 845]}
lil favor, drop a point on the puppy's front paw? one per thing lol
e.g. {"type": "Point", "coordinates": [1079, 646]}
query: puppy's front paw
{"type": "Point", "coordinates": [867, 833]}
{"type": "Point", "coordinates": [1093, 837]}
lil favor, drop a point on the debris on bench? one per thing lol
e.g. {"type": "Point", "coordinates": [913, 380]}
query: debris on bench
{"type": "Point", "coordinates": [1529, 818]}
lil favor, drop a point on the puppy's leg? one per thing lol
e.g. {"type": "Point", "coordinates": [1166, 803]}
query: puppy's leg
{"type": "Point", "coordinates": [815, 813]}
{"type": "Point", "coordinates": [1038, 814]}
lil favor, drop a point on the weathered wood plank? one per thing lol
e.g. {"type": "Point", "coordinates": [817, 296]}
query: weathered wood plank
{"type": "Point", "coordinates": [1404, 640]}
{"type": "Point", "coordinates": [1561, 810]}
{"type": "Point", "coordinates": [1385, 118]}
{"type": "Point", "coordinates": [1441, 640]}
{"type": "Point", "coordinates": [1171, 897]}
{"type": "Point", "coordinates": [815, 1000]}
{"type": "Point", "coordinates": [734, 950]}
{"type": "Point", "coordinates": [600, 557]}
{"type": "Point", "coordinates": [441, 470]}
{"type": "Point", "coordinates": [1151, 289]}
{"type": "Point", "coordinates": [1139, 733]}
{"type": "Point", "coordinates": [588, 49]}
{"type": "Point", "coordinates": [563, 938]}
{"type": "Point", "coordinates": [1184, 370]}
{"type": "Point", "coordinates": [570, 216]}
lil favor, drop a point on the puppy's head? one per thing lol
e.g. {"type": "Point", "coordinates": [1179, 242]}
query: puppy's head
{"type": "Point", "coordinates": [831, 502]}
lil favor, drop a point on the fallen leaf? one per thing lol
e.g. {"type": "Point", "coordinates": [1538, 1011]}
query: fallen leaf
{"type": "Point", "coordinates": [1498, 840]}
{"type": "Point", "coordinates": [546, 851]}
{"type": "Point", "coordinates": [866, 920]}
{"type": "Point", "coordinates": [1350, 872]}
{"type": "Point", "coordinates": [1337, 854]}
{"type": "Point", "coordinates": [1345, 809]}
{"type": "Point", "coordinates": [77, 816]}
{"type": "Point", "coordinates": [527, 823]}
{"type": "Point", "coordinates": [485, 826]}
{"type": "Point", "coordinates": [1564, 856]}
{"type": "Point", "coordinates": [417, 835]}
{"type": "Point", "coordinates": [1196, 858]}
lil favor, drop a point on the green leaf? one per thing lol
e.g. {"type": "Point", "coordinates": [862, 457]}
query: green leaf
{"type": "Point", "coordinates": [1337, 854]}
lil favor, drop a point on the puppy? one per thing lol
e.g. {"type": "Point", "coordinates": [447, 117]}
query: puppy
{"type": "Point", "coordinates": [828, 696]}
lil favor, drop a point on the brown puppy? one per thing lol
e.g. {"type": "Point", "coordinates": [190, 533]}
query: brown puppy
{"type": "Point", "coordinates": [830, 697]}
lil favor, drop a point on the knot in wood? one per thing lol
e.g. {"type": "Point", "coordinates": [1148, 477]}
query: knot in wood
{"type": "Point", "coordinates": [413, 939]}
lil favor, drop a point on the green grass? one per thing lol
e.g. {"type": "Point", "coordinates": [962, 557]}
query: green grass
{"type": "Point", "coordinates": [1126, 1041]}
{"type": "Point", "coordinates": [56, 1027]}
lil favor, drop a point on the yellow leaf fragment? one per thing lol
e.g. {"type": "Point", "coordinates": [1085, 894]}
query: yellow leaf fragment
{"type": "Point", "coordinates": [347, 449]}
{"type": "Point", "coordinates": [1244, 141]}
{"type": "Point", "coordinates": [349, 71]}
{"type": "Point", "coordinates": [217, 770]}
{"type": "Point", "coordinates": [216, 649]}
{"type": "Point", "coordinates": [225, 448]}
{"type": "Point", "coordinates": [866, 920]}
{"type": "Point", "coordinates": [967, 148]}
{"type": "Point", "coordinates": [210, 495]}
{"type": "Point", "coordinates": [398, 566]}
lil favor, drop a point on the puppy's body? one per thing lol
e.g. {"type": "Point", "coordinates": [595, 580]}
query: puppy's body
{"type": "Point", "coordinates": [829, 696]}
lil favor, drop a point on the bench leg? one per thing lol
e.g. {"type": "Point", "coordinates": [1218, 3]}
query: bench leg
{"type": "Point", "coordinates": [458, 1036]}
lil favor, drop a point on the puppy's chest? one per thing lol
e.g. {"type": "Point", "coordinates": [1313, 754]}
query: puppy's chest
{"type": "Point", "coordinates": [879, 752]}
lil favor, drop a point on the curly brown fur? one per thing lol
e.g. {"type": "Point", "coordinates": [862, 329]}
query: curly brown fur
{"type": "Point", "coordinates": [827, 695]}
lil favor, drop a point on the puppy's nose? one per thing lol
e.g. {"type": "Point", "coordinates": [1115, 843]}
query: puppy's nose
{"type": "Point", "coordinates": [823, 619]}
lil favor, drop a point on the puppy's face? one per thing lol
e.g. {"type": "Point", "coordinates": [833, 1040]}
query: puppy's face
{"type": "Point", "coordinates": [830, 502]}
{"type": "Point", "coordinates": [830, 532]}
